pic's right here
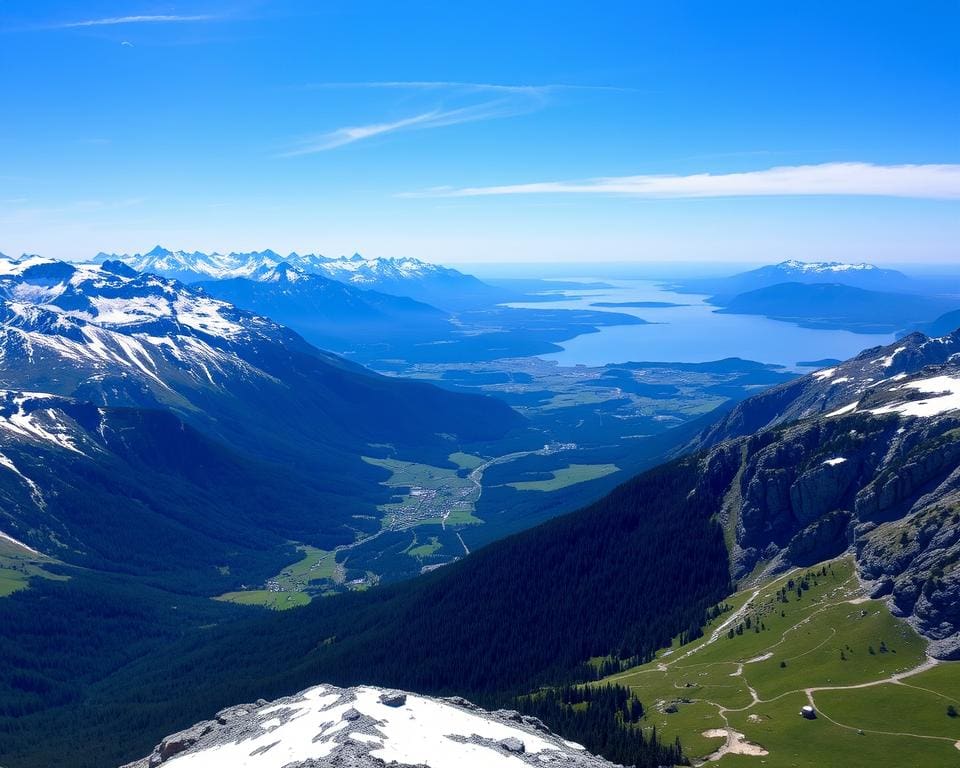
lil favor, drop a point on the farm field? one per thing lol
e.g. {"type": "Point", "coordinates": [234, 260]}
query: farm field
{"type": "Point", "coordinates": [315, 573]}
{"type": "Point", "coordinates": [567, 476]}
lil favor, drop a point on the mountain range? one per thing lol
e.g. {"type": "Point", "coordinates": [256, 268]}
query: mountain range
{"type": "Point", "coordinates": [430, 283]}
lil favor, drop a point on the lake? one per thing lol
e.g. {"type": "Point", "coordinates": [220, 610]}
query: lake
{"type": "Point", "coordinates": [692, 333]}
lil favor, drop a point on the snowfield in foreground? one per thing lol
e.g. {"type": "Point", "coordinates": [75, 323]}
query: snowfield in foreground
{"type": "Point", "coordinates": [366, 726]}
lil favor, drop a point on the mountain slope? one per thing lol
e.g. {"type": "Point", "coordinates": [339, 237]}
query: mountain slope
{"type": "Point", "coordinates": [943, 325]}
{"type": "Point", "coordinates": [863, 455]}
{"type": "Point", "coordinates": [834, 390]}
{"type": "Point", "coordinates": [120, 337]}
{"type": "Point", "coordinates": [109, 489]}
{"type": "Point", "coordinates": [808, 638]}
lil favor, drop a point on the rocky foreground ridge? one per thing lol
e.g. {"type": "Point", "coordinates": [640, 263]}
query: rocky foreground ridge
{"type": "Point", "coordinates": [366, 726]}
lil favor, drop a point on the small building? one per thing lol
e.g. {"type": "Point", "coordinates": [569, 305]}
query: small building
{"type": "Point", "coordinates": [808, 712]}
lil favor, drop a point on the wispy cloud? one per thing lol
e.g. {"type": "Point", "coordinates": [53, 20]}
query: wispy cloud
{"type": "Point", "coordinates": [116, 20]}
{"type": "Point", "coordinates": [932, 181]}
{"type": "Point", "coordinates": [457, 85]}
{"type": "Point", "coordinates": [490, 101]}
{"type": "Point", "coordinates": [435, 118]}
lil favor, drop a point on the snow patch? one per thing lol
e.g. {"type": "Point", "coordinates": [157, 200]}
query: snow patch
{"type": "Point", "coordinates": [887, 361]}
{"type": "Point", "coordinates": [947, 387]}
{"type": "Point", "coordinates": [844, 410]}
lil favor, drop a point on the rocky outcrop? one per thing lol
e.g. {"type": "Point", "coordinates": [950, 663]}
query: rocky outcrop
{"type": "Point", "coordinates": [880, 479]}
{"type": "Point", "coordinates": [366, 727]}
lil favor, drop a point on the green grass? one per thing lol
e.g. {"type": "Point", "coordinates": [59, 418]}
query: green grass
{"type": "Point", "coordinates": [892, 707]}
{"type": "Point", "coordinates": [794, 741]}
{"type": "Point", "coordinates": [19, 565]}
{"type": "Point", "coordinates": [277, 601]}
{"type": "Point", "coordinates": [941, 679]}
{"type": "Point", "coordinates": [465, 460]}
{"type": "Point", "coordinates": [757, 680]}
{"type": "Point", "coordinates": [459, 517]}
{"type": "Point", "coordinates": [421, 551]}
{"type": "Point", "coordinates": [295, 584]}
{"type": "Point", "coordinates": [578, 398]}
{"type": "Point", "coordinates": [569, 475]}
{"type": "Point", "coordinates": [10, 583]}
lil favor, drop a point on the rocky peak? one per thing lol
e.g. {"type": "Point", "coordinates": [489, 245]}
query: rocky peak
{"type": "Point", "coordinates": [366, 727]}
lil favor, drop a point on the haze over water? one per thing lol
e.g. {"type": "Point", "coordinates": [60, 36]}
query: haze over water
{"type": "Point", "coordinates": [693, 333]}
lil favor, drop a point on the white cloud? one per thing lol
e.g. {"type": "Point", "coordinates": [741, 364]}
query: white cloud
{"type": "Point", "coordinates": [436, 118]}
{"type": "Point", "coordinates": [501, 101]}
{"type": "Point", "coordinates": [114, 20]}
{"type": "Point", "coordinates": [932, 181]}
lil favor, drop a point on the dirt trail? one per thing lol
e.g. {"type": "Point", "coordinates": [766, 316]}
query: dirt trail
{"type": "Point", "coordinates": [894, 679]}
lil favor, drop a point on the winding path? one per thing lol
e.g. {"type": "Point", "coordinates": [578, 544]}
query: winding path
{"type": "Point", "coordinates": [735, 741]}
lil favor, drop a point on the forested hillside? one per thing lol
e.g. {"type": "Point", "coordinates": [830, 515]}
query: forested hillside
{"type": "Point", "coordinates": [621, 577]}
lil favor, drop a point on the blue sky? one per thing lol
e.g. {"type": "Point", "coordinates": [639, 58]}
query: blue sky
{"type": "Point", "coordinates": [484, 131]}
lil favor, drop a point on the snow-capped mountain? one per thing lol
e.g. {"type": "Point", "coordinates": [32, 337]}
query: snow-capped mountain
{"type": "Point", "coordinates": [401, 276]}
{"type": "Point", "coordinates": [189, 267]}
{"type": "Point", "coordinates": [794, 267]}
{"type": "Point", "coordinates": [139, 339]}
{"type": "Point", "coordinates": [366, 727]}
{"type": "Point", "coordinates": [88, 324]}
{"type": "Point", "coordinates": [858, 275]}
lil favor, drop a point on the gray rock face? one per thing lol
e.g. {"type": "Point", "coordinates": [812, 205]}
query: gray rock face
{"type": "Point", "coordinates": [366, 728]}
{"type": "Point", "coordinates": [868, 477]}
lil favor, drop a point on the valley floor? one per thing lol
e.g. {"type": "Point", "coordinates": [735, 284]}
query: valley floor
{"type": "Point", "coordinates": [809, 637]}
